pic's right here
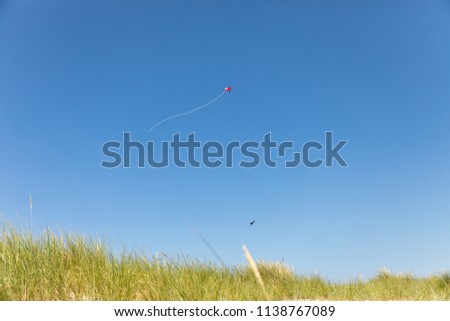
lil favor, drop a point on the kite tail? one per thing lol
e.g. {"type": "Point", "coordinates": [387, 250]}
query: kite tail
{"type": "Point", "coordinates": [188, 112]}
{"type": "Point", "coordinates": [241, 229]}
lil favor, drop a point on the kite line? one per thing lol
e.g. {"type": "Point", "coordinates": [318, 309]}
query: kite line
{"type": "Point", "coordinates": [225, 90]}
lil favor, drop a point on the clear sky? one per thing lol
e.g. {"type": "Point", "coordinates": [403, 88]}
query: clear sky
{"type": "Point", "coordinates": [75, 74]}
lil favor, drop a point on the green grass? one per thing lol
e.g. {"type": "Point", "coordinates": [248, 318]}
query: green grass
{"type": "Point", "coordinates": [70, 267]}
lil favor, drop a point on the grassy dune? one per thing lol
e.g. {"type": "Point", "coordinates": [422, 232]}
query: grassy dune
{"type": "Point", "coordinates": [67, 267]}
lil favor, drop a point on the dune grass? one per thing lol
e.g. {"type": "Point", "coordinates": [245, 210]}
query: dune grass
{"type": "Point", "coordinates": [55, 266]}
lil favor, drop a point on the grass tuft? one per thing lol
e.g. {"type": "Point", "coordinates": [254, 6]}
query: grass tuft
{"type": "Point", "coordinates": [64, 266]}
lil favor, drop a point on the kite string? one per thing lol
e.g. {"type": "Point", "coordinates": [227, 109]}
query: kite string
{"type": "Point", "coordinates": [246, 118]}
{"type": "Point", "coordinates": [252, 127]}
{"type": "Point", "coordinates": [188, 112]}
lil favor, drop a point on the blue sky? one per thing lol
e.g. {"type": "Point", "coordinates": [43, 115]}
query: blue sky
{"type": "Point", "coordinates": [75, 74]}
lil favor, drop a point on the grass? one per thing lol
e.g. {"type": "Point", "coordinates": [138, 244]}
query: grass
{"type": "Point", "coordinates": [71, 267]}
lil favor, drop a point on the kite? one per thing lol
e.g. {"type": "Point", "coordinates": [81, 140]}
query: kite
{"type": "Point", "coordinates": [225, 90]}
{"type": "Point", "coordinates": [241, 229]}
